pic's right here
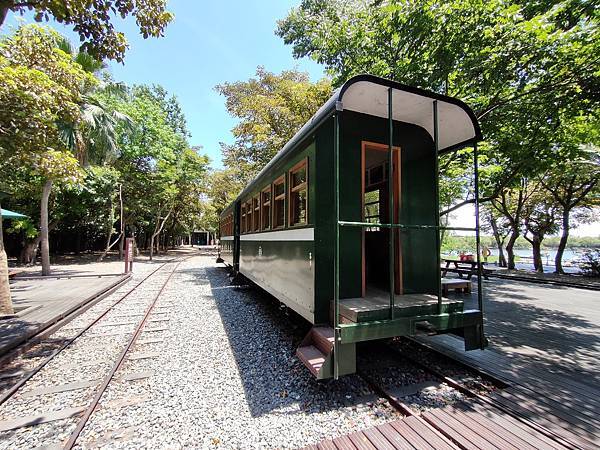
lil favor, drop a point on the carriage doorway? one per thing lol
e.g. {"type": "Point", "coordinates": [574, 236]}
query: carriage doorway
{"type": "Point", "coordinates": [375, 209]}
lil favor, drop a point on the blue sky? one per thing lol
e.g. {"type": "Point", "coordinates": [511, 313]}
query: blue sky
{"type": "Point", "coordinates": [208, 43]}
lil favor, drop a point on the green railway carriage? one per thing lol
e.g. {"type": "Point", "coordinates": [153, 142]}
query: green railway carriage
{"type": "Point", "coordinates": [342, 225]}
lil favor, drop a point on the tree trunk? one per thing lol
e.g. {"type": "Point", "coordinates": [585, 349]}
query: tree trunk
{"type": "Point", "coordinates": [157, 230]}
{"type": "Point", "coordinates": [536, 245]}
{"type": "Point", "coordinates": [6, 306]}
{"type": "Point", "coordinates": [563, 243]}
{"type": "Point", "coordinates": [3, 13]}
{"type": "Point", "coordinates": [509, 249]}
{"type": "Point", "coordinates": [44, 228]}
{"type": "Point", "coordinates": [499, 243]}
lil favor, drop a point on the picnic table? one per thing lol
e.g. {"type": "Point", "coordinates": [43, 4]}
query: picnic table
{"type": "Point", "coordinates": [467, 268]}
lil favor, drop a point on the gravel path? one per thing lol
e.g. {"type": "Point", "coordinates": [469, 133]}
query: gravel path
{"type": "Point", "coordinates": [89, 358]}
{"type": "Point", "coordinates": [226, 377]}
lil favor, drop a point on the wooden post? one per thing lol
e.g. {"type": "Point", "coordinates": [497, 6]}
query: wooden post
{"type": "Point", "coordinates": [129, 255]}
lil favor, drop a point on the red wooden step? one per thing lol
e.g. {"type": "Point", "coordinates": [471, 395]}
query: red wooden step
{"type": "Point", "coordinates": [312, 358]}
{"type": "Point", "coordinates": [322, 338]}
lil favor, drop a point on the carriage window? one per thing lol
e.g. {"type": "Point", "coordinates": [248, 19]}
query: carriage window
{"type": "Point", "coordinates": [265, 203]}
{"type": "Point", "coordinates": [249, 216]}
{"type": "Point", "coordinates": [371, 212]}
{"type": "Point", "coordinates": [279, 203]}
{"type": "Point", "coordinates": [298, 195]}
{"type": "Point", "coordinates": [256, 213]}
{"type": "Point", "coordinates": [243, 221]}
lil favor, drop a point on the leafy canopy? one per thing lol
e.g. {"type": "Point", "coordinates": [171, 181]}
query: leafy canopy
{"type": "Point", "coordinates": [271, 109]}
{"type": "Point", "coordinates": [93, 21]}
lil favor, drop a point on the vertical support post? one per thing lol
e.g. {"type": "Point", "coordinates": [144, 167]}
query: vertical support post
{"type": "Point", "coordinates": [478, 239]}
{"type": "Point", "coordinates": [436, 146]}
{"type": "Point", "coordinates": [336, 259]}
{"type": "Point", "coordinates": [128, 255]}
{"type": "Point", "coordinates": [391, 180]}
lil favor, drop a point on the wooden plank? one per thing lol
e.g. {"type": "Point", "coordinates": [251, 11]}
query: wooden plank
{"type": "Point", "coordinates": [549, 420]}
{"type": "Point", "coordinates": [137, 356]}
{"type": "Point", "coordinates": [516, 427]}
{"type": "Point", "coordinates": [476, 429]}
{"type": "Point", "coordinates": [326, 445]}
{"type": "Point", "coordinates": [29, 421]}
{"type": "Point", "coordinates": [60, 388]}
{"type": "Point", "coordinates": [377, 439]}
{"type": "Point", "coordinates": [466, 442]}
{"type": "Point", "coordinates": [395, 438]}
{"type": "Point", "coordinates": [360, 441]}
{"type": "Point", "coordinates": [411, 435]}
{"type": "Point", "coordinates": [343, 443]}
{"type": "Point", "coordinates": [431, 435]}
{"type": "Point", "coordinates": [489, 430]}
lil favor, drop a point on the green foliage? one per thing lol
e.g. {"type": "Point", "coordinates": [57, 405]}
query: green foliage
{"type": "Point", "coordinates": [93, 21]}
{"type": "Point", "coordinates": [271, 109]}
{"type": "Point", "coordinates": [526, 69]}
{"type": "Point", "coordinates": [39, 87]}
{"type": "Point", "coordinates": [591, 263]}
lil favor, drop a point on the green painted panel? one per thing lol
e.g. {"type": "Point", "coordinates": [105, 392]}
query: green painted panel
{"type": "Point", "coordinates": [284, 269]}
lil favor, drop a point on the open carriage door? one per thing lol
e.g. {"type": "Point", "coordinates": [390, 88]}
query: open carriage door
{"type": "Point", "coordinates": [375, 209]}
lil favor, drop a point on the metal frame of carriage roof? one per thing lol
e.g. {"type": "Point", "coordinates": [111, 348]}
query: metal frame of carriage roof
{"type": "Point", "coordinates": [346, 333]}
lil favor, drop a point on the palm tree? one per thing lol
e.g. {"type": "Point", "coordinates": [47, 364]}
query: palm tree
{"type": "Point", "coordinates": [93, 138]}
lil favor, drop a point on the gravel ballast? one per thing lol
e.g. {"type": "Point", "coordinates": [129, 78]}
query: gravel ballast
{"type": "Point", "coordinates": [227, 376]}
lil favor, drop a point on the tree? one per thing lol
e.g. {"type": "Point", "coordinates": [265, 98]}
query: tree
{"type": "Point", "coordinates": [40, 88]}
{"type": "Point", "coordinates": [540, 218]}
{"type": "Point", "coordinates": [93, 20]}
{"type": "Point", "coordinates": [271, 109]}
{"type": "Point", "coordinates": [519, 65]}
{"type": "Point", "coordinates": [575, 182]}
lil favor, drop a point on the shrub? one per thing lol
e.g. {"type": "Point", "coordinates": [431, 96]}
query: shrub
{"type": "Point", "coordinates": [590, 264]}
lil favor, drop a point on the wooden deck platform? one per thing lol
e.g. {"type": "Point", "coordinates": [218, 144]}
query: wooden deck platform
{"type": "Point", "coordinates": [41, 302]}
{"type": "Point", "coordinates": [472, 425]}
{"type": "Point", "coordinates": [545, 343]}
{"type": "Point", "coordinates": [375, 306]}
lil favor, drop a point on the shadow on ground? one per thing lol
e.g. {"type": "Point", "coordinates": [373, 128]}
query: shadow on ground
{"type": "Point", "coordinates": [264, 338]}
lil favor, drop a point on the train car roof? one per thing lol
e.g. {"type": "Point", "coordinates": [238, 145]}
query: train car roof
{"type": "Point", "coordinates": [368, 94]}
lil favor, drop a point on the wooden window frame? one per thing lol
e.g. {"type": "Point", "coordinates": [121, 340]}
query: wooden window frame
{"type": "Point", "coordinates": [278, 181]}
{"type": "Point", "coordinates": [256, 213]}
{"type": "Point", "coordinates": [292, 189]}
{"type": "Point", "coordinates": [262, 207]}
{"type": "Point", "coordinates": [243, 218]}
{"type": "Point", "coordinates": [249, 215]}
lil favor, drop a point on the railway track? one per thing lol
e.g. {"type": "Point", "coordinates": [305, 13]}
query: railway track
{"type": "Point", "coordinates": [477, 423]}
{"type": "Point", "coordinates": [85, 395]}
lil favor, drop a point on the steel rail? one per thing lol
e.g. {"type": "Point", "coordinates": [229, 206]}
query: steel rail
{"type": "Point", "coordinates": [118, 363]}
{"type": "Point", "coordinates": [13, 389]}
{"type": "Point", "coordinates": [406, 411]}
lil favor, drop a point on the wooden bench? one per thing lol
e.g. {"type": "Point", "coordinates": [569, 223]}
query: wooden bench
{"type": "Point", "coordinates": [456, 284]}
{"type": "Point", "coordinates": [467, 268]}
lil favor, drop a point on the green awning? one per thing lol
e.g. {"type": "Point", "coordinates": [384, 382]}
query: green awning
{"type": "Point", "coordinates": [7, 214]}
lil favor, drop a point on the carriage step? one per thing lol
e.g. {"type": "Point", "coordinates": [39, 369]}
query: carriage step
{"type": "Point", "coordinates": [322, 338]}
{"type": "Point", "coordinates": [312, 358]}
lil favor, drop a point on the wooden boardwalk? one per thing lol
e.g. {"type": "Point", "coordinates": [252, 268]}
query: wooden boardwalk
{"type": "Point", "coordinates": [41, 302]}
{"type": "Point", "coordinates": [472, 425]}
{"type": "Point", "coordinates": [545, 344]}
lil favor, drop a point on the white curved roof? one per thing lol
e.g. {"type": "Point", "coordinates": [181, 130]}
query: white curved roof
{"type": "Point", "coordinates": [457, 125]}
